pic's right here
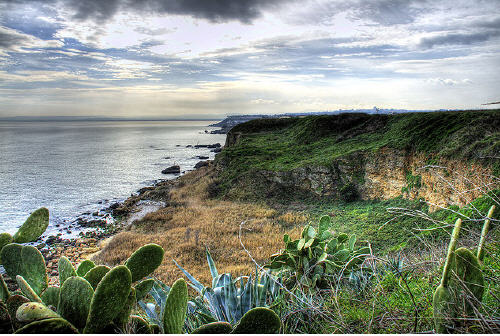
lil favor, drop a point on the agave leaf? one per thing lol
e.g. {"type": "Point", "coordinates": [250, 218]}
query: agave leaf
{"type": "Point", "coordinates": [286, 238]}
{"type": "Point", "coordinates": [211, 265]}
{"type": "Point", "coordinates": [194, 283]}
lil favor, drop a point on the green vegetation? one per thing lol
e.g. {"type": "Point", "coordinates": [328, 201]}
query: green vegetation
{"type": "Point", "coordinates": [287, 144]}
{"type": "Point", "coordinates": [228, 299]}
{"type": "Point", "coordinates": [318, 255]}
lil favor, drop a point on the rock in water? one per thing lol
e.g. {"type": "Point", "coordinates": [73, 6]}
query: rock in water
{"type": "Point", "coordinates": [172, 170]}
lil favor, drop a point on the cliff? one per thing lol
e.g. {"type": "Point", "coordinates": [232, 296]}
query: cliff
{"type": "Point", "coordinates": [443, 157]}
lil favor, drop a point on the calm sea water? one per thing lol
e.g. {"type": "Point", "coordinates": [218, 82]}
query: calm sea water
{"type": "Point", "coordinates": [76, 167]}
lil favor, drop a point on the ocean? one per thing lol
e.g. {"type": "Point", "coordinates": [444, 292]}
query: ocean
{"type": "Point", "coordinates": [80, 167]}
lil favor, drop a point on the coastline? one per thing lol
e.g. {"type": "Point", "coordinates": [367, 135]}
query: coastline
{"type": "Point", "coordinates": [101, 226]}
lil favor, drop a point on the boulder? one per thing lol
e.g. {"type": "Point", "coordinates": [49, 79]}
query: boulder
{"type": "Point", "coordinates": [172, 170]}
{"type": "Point", "coordinates": [201, 164]}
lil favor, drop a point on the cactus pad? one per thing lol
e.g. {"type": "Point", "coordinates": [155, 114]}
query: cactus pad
{"type": "Point", "coordinates": [144, 261]}
{"type": "Point", "coordinates": [5, 239]}
{"type": "Point", "coordinates": [258, 321]}
{"type": "Point", "coordinates": [65, 269]}
{"type": "Point", "coordinates": [84, 267]}
{"type": "Point", "coordinates": [50, 296]}
{"type": "Point", "coordinates": [4, 291]}
{"type": "Point", "coordinates": [214, 328]}
{"type": "Point", "coordinates": [48, 326]}
{"type": "Point", "coordinates": [33, 227]}
{"type": "Point", "coordinates": [143, 288]}
{"type": "Point", "coordinates": [74, 301]}
{"type": "Point", "coordinates": [11, 261]}
{"type": "Point", "coordinates": [109, 297]}
{"type": "Point", "coordinates": [468, 271]}
{"type": "Point", "coordinates": [28, 262]}
{"type": "Point", "coordinates": [122, 319]}
{"type": "Point", "coordinates": [33, 311]}
{"type": "Point", "coordinates": [27, 290]}
{"type": "Point", "coordinates": [95, 275]}
{"type": "Point", "coordinates": [443, 310]}
{"type": "Point", "coordinates": [175, 308]}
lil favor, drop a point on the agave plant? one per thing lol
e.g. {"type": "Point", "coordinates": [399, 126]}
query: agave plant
{"type": "Point", "coordinates": [227, 300]}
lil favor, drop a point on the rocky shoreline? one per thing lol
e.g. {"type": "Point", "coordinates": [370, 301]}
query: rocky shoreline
{"type": "Point", "coordinates": [103, 224]}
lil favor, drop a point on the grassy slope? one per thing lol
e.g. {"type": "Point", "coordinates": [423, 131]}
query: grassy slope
{"type": "Point", "coordinates": [197, 219]}
{"type": "Point", "coordinates": [285, 144]}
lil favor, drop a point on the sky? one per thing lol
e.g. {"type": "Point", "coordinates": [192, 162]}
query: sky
{"type": "Point", "coordinates": [212, 58]}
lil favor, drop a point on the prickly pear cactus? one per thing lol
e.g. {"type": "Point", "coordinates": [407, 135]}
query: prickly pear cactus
{"type": "Point", "coordinates": [175, 308]}
{"type": "Point", "coordinates": [5, 239]}
{"type": "Point", "coordinates": [484, 233]}
{"type": "Point", "coordinates": [95, 275]}
{"type": "Point", "coordinates": [214, 328]}
{"type": "Point", "coordinates": [33, 227]}
{"type": "Point", "coordinates": [468, 274]}
{"type": "Point", "coordinates": [48, 326]}
{"type": "Point", "coordinates": [11, 259]}
{"type": "Point", "coordinates": [442, 302]}
{"type": "Point", "coordinates": [50, 296]}
{"type": "Point", "coordinates": [34, 311]}
{"type": "Point", "coordinates": [74, 301]}
{"type": "Point", "coordinates": [65, 269]}
{"type": "Point", "coordinates": [122, 319]}
{"type": "Point", "coordinates": [144, 261]}
{"type": "Point", "coordinates": [109, 298]}
{"type": "Point", "coordinates": [4, 291]}
{"type": "Point", "coordinates": [84, 267]}
{"type": "Point", "coordinates": [143, 288]}
{"type": "Point", "coordinates": [27, 290]}
{"type": "Point", "coordinates": [28, 262]}
{"type": "Point", "coordinates": [258, 321]}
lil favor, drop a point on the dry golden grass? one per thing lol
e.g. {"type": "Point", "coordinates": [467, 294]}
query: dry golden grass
{"type": "Point", "coordinates": [184, 231]}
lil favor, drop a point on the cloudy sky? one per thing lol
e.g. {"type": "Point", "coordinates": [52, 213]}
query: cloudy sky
{"type": "Point", "coordinates": [163, 58]}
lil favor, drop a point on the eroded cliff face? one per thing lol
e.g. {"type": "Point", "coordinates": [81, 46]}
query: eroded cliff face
{"type": "Point", "coordinates": [388, 173]}
{"type": "Point", "coordinates": [431, 156]}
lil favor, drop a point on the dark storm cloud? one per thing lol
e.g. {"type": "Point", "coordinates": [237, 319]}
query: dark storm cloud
{"type": "Point", "coordinates": [213, 10]}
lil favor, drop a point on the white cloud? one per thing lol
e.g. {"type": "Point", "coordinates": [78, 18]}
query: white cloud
{"type": "Point", "coordinates": [40, 76]}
